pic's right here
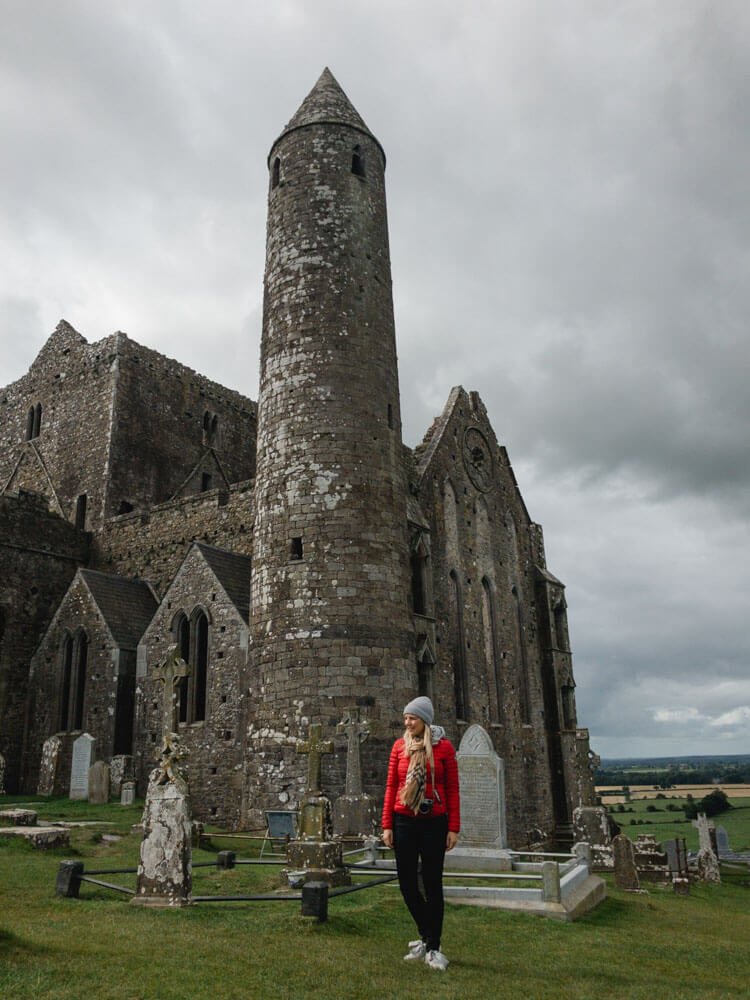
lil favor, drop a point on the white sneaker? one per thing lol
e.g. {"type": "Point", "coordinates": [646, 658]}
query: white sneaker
{"type": "Point", "coordinates": [417, 951]}
{"type": "Point", "coordinates": [436, 960]}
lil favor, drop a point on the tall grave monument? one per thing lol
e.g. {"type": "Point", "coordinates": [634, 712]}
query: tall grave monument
{"type": "Point", "coordinates": [165, 873]}
{"type": "Point", "coordinates": [315, 853]}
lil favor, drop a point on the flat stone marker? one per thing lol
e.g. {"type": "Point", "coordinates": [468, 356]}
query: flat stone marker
{"type": "Point", "coordinates": [48, 766]}
{"type": "Point", "coordinates": [481, 776]}
{"type": "Point", "coordinates": [99, 783]}
{"type": "Point", "coordinates": [83, 758]}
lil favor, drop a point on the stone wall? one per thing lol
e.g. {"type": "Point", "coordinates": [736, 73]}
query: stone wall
{"type": "Point", "coordinates": [160, 435]}
{"type": "Point", "coordinates": [39, 553]}
{"type": "Point", "coordinates": [73, 383]}
{"type": "Point", "coordinates": [152, 546]}
{"type": "Point", "coordinates": [122, 426]}
{"type": "Point", "coordinates": [214, 765]}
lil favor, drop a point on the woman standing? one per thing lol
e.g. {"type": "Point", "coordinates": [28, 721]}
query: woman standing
{"type": "Point", "coordinates": [421, 819]}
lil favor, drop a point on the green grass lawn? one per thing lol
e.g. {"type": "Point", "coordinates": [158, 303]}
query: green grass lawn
{"type": "Point", "coordinates": [649, 946]}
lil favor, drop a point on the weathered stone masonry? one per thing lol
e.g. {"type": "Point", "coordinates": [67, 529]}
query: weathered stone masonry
{"type": "Point", "coordinates": [303, 559]}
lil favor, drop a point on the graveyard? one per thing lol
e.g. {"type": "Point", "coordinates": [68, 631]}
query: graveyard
{"type": "Point", "coordinates": [648, 944]}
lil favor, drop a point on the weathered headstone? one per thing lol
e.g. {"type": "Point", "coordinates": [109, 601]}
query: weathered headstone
{"type": "Point", "coordinates": [481, 776]}
{"type": "Point", "coordinates": [354, 813]}
{"type": "Point", "coordinates": [626, 873]}
{"type": "Point", "coordinates": [98, 792]}
{"type": "Point", "coordinates": [83, 758]}
{"type": "Point", "coordinates": [676, 856]}
{"type": "Point", "coordinates": [591, 825]}
{"type": "Point", "coordinates": [120, 769]}
{"type": "Point", "coordinates": [650, 859]}
{"type": "Point", "coordinates": [2, 775]}
{"type": "Point", "coordinates": [314, 855]}
{"type": "Point", "coordinates": [707, 861]}
{"type": "Point", "coordinates": [48, 766]}
{"type": "Point", "coordinates": [165, 871]}
{"type": "Point", "coordinates": [127, 793]}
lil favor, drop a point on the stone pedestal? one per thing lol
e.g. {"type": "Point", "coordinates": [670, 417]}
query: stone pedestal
{"type": "Point", "coordinates": [165, 873]}
{"type": "Point", "coordinates": [315, 861]}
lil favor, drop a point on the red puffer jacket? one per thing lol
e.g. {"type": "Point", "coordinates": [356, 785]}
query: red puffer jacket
{"type": "Point", "coordinates": [446, 784]}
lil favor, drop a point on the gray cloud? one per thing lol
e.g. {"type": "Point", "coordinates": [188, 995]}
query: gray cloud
{"type": "Point", "coordinates": [569, 237]}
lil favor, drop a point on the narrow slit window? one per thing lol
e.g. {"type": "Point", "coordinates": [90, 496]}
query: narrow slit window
{"type": "Point", "coordinates": [275, 173]}
{"type": "Point", "coordinates": [81, 511]}
{"type": "Point", "coordinates": [358, 162]}
{"type": "Point", "coordinates": [390, 415]}
{"type": "Point", "coordinates": [295, 548]}
{"type": "Point", "coordinates": [206, 480]}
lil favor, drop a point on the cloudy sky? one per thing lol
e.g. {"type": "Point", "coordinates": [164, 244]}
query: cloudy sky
{"type": "Point", "coordinates": [567, 184]}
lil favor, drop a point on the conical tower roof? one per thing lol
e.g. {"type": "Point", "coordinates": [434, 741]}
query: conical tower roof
{"type": "Point", "coordinates": [326, 104]}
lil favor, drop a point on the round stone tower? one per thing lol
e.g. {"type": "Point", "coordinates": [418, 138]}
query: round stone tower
{"type": "Point", "coordinates": [330, 618]}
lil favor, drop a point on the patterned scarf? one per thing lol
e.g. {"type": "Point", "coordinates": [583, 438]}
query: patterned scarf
{"type": "Point", "coordinates": [419, 752]}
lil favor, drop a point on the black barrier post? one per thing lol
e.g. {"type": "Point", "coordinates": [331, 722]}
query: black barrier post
{"type": "Point", "coordinates": [225, 859]}
{"type": "Point", "coordinates": [315, 901]}
{"type": "Point", "coordinates": [69, 879]}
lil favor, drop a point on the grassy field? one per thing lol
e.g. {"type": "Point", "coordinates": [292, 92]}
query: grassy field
{"type": "Point", "coordinates": [665, 824]}
{"type": "Point", "coordinates": [632, 946]}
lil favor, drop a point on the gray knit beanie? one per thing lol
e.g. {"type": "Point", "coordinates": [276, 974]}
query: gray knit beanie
{"type": "Point", "coordinates": [422, 708]}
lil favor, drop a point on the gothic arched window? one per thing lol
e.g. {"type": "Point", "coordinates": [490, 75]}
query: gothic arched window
{"type": "Point", "coordinates": [191, 635]}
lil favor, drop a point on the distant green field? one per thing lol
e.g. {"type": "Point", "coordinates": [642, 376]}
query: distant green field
{"type": "Point", "coordinates": [666, 824]}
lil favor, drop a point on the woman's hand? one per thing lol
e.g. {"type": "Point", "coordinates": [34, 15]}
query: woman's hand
{"type": "Point", "coordinates": [388, 838]}
{"type": "Point", "coordinates": [450, 840]}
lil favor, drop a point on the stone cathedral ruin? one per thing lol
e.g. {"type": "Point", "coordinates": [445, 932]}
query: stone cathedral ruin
{"type": "Point", "coordinates": [303, 560]}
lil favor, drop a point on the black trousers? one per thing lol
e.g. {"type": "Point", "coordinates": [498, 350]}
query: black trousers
{"type": "Point", "coordinates": [414, 839]}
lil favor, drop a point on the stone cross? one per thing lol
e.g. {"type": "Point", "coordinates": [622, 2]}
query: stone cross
{"type": "Point", "coordinates": [315, 747]}
{"type": "Point", "coordinates": [356, 731]}
{"type": "Point", "coordinates": [171, 672]}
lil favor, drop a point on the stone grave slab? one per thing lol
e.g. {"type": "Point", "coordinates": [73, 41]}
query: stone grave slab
{"type": "Point", "coordinates": [99, 781]}
{"type": "Point", "coordinates": [626, 873]}
{"type": "Point", "coordinates": [48, 767]}
{"type": "Point", "coordinates": [83, 757]}
{"type": "Point", "coordinates": [482, 843]}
